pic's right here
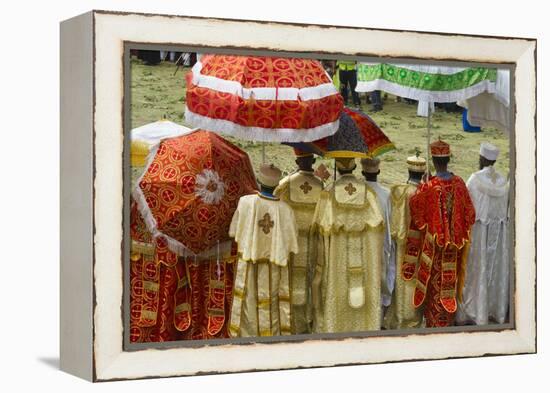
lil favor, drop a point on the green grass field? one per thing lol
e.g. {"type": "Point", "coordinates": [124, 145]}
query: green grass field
{"type": "Point", "coordinates": [157, 93]}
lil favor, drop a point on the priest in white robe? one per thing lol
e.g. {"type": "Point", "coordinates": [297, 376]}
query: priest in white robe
{"type": "Point", "coordinates": [264, 228]}
{"type": "Point", "coordinates": [485, 296]}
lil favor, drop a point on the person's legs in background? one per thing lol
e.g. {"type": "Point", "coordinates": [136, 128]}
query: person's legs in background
{"type": "Point", "coordinates": [376, 100]}
{"type": "Point", "coordinates": [343, 75]}
{"type": "Point", "coordinates": [353, 85]}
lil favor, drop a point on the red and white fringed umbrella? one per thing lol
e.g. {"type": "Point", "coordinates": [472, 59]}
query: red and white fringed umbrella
{"type": "Point", "coordinates": [268, 99]}
{"type": "Point", "coordinates": [190, 190]}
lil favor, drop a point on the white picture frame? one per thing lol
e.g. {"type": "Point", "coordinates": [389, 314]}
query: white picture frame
{"type": "Point", "coordinates": [93, 47]}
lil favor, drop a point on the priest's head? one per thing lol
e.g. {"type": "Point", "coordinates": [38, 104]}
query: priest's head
{"type": "Point", "coordinates": [441, 155]}
{"type": "Point", "coordinates": [416, 166]}
{"type": "Point", "coordinates": [345, 165]}
{"type": "Point", "coordinates": [304, 160]}
{"type": "Point", "coordinates": [371, 168]}
{"type": "Point", "coordinates": [268, 177]}
{"type": "Point", "coordinates": [488, 154]}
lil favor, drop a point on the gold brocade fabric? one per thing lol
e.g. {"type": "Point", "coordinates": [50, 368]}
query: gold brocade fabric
{"type": "Point", "coordinates": [349, 228]}
{"type": "Point", "coordinates": [261, 304]}
{"type": "Point", "coordinates": [401, 314]}
{"type": "Point", "coordinates": [265, 231]}
{"type": "Point", "coordinates": [301, 192]}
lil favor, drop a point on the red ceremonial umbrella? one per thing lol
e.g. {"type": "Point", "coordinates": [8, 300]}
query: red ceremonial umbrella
{"type": "Point", "coordinates": [358, 136]}
{"type": "Point", "coordinates": [375, 138]}
{"type": "Point", "coordinates": [269, 99]}
{"type": "Point", "coordinates": [191, 188]}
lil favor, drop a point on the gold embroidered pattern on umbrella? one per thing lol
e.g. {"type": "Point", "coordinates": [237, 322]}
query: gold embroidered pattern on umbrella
{"type": "Point", "coordinates": [191, 188]}
{"type": "Point", "coordinates": [268, 99]}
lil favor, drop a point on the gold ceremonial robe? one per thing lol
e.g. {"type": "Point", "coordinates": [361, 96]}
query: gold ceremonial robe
{"type": "Point", "coordinates": [349, 225]}
{"type": "Point", "coordinates": [265, 231]}
{"type": "Point", "coordinates": [401, 314]}
{"type": "Point", "coordinates": [301, 192]}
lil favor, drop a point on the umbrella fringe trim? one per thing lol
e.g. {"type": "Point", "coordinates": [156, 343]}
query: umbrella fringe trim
{"type": "Point", "coordinates": [423, 95]}
{"type": "Point", "coordinates": [378, 151]}
{"type": "Point", "coordinates": [261, 93]}
{"type": "Point", "coordinates": [261, 134]}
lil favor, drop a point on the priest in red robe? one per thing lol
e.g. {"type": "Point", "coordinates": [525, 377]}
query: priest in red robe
{"type": "Point", "coordinates": [442, 214]}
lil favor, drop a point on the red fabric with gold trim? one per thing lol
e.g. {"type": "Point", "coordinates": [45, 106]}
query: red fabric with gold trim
{"type": "Point", "coordinates": [193, 185]}
{"type": "Point", "coordinates": [424, 270]}
{"type": "Point", "coordinates": [170, 296]}
{"type": "Point", "coordinates": [263, 98]}
{"type": "Point", "coordinates": [216, 297]}
{"type": "Point", "coordinates": [440, 149]}
{"type": "Point", "coordinates": [208, 313]}
{"type": "Point", "coordinates": [138, 229]}
{"type": "Point", "coordinates": [151, 317]}
{"type": "Point", "coordinates": [204, 304]}
{"type": "Point", "coordinates": [444, 209]}
{"type": "Point", "coordinates": [440, 310]}
{"type": "Point", "coordinates": [182, 298]}
{"type": "Point", "coordinates": [413, 248]}
{"type": "Point", "coordinates": [265, 71]}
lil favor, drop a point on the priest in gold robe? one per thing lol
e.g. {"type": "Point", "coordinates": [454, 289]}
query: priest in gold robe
{"type": "Point", "coordinates": [402, 314]}
{"type": "Point", "coordinates": [301, 191]}
{"type": "Point", "coordinates": [264, 229]}
{"type": "Point", "coordinates": [349, 225]}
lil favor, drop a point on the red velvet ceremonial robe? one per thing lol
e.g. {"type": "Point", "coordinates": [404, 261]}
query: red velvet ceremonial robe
{"type": "Point", "coordinates": [442, 215]}
{"type": "Point", "coordinates": [176, 298]}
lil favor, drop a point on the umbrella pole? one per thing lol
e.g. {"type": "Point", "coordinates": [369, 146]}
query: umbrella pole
{"type": "Point", "coordinates": [429, 127]}
{"type": "Point", "coordinates": [263, 153]}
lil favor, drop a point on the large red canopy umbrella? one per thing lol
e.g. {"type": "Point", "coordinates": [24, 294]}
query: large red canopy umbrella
{"type": "Point", "coordinates": [269, 99]}
{"type": "Point", "coordinates": [190, 190]}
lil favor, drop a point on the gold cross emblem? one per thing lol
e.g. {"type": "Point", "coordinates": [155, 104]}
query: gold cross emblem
{"type": "Point", "coordinates": [266, 223]}
{"type": "Point", "coordinates": [350, 188]}
{"type": "Point", "coordinates": [306, 187]}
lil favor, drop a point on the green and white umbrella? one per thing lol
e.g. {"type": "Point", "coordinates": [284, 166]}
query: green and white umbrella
{"type": "Point", "coordinates": [426, 83]}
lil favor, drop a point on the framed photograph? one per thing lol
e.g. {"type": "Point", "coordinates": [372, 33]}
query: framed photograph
{"type": "Point", "coordinates": [246, 195]}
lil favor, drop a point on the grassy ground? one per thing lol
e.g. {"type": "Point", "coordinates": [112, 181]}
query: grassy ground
{"type": "Point", "coordinates": [157, 93]}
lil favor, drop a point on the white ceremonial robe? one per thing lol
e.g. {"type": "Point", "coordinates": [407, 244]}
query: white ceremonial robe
{"type": "Point", "coordinates": [485, 295]}
{"type": "Point", "coordinates": [388, 265]}
{"type": "Point", "coordinates": [264, 229]}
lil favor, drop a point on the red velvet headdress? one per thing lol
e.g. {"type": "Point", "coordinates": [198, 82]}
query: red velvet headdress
{"type": "Point", "coordinates": [440, 149]}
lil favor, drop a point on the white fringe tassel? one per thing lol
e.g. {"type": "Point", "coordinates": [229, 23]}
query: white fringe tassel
{"type": "Point", "coordinates": [426, 95]}
{"type": "Point", "coordinates": [261, 134]}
